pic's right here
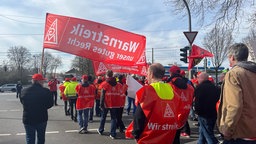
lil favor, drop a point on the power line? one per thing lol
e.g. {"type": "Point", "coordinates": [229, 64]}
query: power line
{"type": "Point", "coordinates": [19, 20]}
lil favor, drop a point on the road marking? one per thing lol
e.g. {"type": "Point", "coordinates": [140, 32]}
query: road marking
{"type": "Point", "coordinates": [71, 131]}
{"type": "Point", "coordinates": [52, 132]}
{"type": "Point", "coordinates": [3, 110]}
{"type": "Point", "coordinates": [49, 132]}
{"type": "Point", "coordinates": [92, 129]}
{"type": "Point", "coordinates": [5, 134]}
{"type": "Point", "coordinates": [15, 110]}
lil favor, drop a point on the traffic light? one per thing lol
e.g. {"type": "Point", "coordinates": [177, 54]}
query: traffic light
{"type": "Point", "coordinates": [184, 54]}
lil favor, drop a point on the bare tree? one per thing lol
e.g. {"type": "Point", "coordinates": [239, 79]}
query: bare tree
{"type": "Point", "coordinates": [50, 63]}
{"type": "Point", "coordinates": [83, 65]}
{"type": "Point", "coordinates": [217, 42]}
{"type": "Point", "coordinates": [54, 65]}
{"type": "Point", "coordinates": [228, 12]}
{"type": "Point", "coordinates": [36, 63]}
{"type": "Point", "coordinates": [250, 41]}
{"type": "Point", "coordinates": [19, 57]}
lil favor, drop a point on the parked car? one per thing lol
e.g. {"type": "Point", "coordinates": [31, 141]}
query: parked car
{"type": "Point", "coordinates": [8, 87]}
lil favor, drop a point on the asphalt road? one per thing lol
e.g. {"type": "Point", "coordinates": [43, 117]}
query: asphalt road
{"type": "Point", "coordinates": [61, 129]}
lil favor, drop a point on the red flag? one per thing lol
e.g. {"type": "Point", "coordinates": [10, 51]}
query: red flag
{"type": "Point", "coordinates": [94, 40]}
{"type": "Point", "coordinates": [101, 68]}
{"type": "Point", "coordinates": [197, 51]}
{"type": "Point", "coordinates": [197, 54]}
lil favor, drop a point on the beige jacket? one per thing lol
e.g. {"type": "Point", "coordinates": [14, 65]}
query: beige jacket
{"type": "Point", "coordinates": [237, 110]}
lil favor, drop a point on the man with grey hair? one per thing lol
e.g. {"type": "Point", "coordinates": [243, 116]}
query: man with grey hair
{"type": "Point", "coordinates": [36, 100]}
{"type": "Point", "coordinates": [236, 113]}
{"type": "Point", "coordinates": [206, 97]}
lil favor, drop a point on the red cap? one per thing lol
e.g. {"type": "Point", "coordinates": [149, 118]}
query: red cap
{"type": "Point", "coordinates": [174, 69]}
{"type": "Point", "coordinates": [211, 79]}
{"type": "Point", "coordinates": [182, 73]}
{"type": "Point", "coordinates": [38, 77]}
{"type": "Point", "coordinates": [67, 79]}
{"type": "Point", "coordinates": [85, 77]}
{"type": "Point", "coordinates": [198, 73]}
{"type": "Point", "coordinates": [73, 79]}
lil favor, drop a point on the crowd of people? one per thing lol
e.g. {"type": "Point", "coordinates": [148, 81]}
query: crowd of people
{"type": "Point", "coordinates": [161, 108]}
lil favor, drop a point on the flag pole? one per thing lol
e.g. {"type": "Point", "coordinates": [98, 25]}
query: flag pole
{"type": "Point", "coordinates": [42, 62]}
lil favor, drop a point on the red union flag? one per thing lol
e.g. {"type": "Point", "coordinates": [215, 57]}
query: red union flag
{"type": "Point", "coordinates": [101, 68]}
{"type": "Point", "coordinates": [197, 54]}
{"type": "Point", "coordinates": [94, 40]}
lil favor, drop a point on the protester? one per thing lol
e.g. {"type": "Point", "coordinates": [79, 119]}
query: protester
{"type": "Point", "coordinates": [206, 97]}
{"type": "Point", "coordinates": [91, 111]}
{"type": "Point", "coordinates": [36, 100]}
{"type": "Point", "coordinates": [85, 101]}
{"type": "Point", "coordinates": [156, 117]}
{"type": "Point", "coordinates": [236, 113]}
{"type": "Point", "coordinates": [186, 91]}
{"type": "Point", "coordinates": [53, 88]}
{"type": "Point", "coordinates": [120, 123]}
{"type": "Point", "coordinates": [97, 83]}
{"type": "Point", "coordinates": [63, 97]}
{"type": "Point", "coordinates": [131, 100]}
{"type": "Point", "coordinates": [109, 101]}
{"type": "Point", "coordinates": [18, 89]}
{"type": "Point", "coordinates": [70, 93]}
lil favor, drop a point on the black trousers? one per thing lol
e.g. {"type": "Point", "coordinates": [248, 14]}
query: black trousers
{"type": "Point", "coordinates": [119, 117]}
{"type": "Point", "coordinates": [54, 95]}
{"type": "Point", "coordinates": [72, 106]}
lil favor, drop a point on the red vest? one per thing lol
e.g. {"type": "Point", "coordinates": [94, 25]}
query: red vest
{"type": "Point", "coordinates": [97, 97]}
{"type": "Point", "coordinates": [62, 88]}
{"type": "Point", "coordinates": [161, 115]}
{"type": "Point", "coordinates": [85, 97]}
{"type": "Point", "coordinates": [123, 96]}
{"type": "Point", "coordinates": [186, 98]}
{"type": "Point", "coordinates": [112, 95]}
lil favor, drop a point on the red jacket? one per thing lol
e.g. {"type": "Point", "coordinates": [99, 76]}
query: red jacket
{"type": "Point", "coordinates": [161, 114]}
{"type": "Point", "coordinates": [97, 86]}
{"type": "Point", "coordinates": [112, 95]}
{"type": "Point", "coordinates": [86, 95]}
{"type": "Point", "coordinates": [186, 99]}
{"type": "Point", "coordinates": [123, 95]}
{"type": "Point", "coordinates": [53, 84]}
{"type": "Point", "coordinates": [62, 88]}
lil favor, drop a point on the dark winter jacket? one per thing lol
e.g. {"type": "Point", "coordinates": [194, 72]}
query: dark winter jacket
{"type": "Point", "coordinates": [36, 100]}
{"type": "Point", "coordinates": [206, 97]}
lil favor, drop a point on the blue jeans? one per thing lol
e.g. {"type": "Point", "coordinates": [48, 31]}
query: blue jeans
{"type": "Point", "coordinates": [83, 118]}
{"type": "Point", "coordinates": [31, 131]}
{"type": "Point", "coordinates": [206, 134]}
{"type": "Point", "coordinates": [91, 113]}
{"type": "Point", "coordinates": [113, 115]}
{"type": "Point", "coordinates": [131, 101]}
{"type": "Point", "coordinates": [239, 141]}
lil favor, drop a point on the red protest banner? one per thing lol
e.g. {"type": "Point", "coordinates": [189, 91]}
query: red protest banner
{"type": "Point", "coordinates": [100, 68]}
{"type": "Point", "coordinates": [94, 40]}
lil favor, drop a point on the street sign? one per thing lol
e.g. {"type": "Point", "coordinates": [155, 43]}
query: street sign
{"type": "Point", "coordinates": [191, 36]}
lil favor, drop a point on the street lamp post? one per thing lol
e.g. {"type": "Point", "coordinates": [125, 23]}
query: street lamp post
{"type": "Point", "coordinates": [189, 29]}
